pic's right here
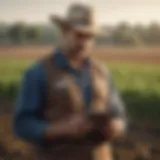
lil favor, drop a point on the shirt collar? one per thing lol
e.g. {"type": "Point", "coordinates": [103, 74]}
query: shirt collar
{"type": "Point", "coordinates": [60, 59]}
{"type": "Point", "coordinates": [62, 62]}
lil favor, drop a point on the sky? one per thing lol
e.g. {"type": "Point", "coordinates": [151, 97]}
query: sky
{"type": "Point", "coordinates": [107, 11]}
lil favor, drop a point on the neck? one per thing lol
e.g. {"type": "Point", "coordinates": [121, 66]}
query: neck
{"type": "Point", "coordinates": [75, 61]}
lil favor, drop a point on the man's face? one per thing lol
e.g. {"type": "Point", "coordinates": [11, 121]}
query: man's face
{"type": "Point", "coordinates": [78, 43]}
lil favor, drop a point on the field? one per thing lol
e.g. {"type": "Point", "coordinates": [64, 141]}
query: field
{"type": "Point", "coordinates": [134, 55]}
{"type": "Point", "coordinates": [136, 73]}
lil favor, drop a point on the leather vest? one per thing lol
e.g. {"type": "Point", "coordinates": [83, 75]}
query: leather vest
{"type": "Point", "coordinates": [63, 98]}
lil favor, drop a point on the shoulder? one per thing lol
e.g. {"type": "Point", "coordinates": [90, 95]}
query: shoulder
{"type": "Point", "coordinates": [35, 71]}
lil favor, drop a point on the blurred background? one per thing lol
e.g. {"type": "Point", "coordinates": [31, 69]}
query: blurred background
{"type": "Point", "coordinates": [129, 45]}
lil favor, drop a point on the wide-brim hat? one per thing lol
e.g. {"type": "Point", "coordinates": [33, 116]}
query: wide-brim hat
{"type": "Point", "coordinates": [79, 17]}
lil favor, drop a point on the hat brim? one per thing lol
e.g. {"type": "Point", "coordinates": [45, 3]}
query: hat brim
{"type": "Point", "coordinates": [63, 24]}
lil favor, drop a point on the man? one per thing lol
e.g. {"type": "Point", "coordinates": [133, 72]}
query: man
{"type": "Point", "coordinates": [68, 107]}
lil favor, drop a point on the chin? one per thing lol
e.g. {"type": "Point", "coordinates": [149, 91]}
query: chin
{"type": "Point", "coordinates": [80, 54]}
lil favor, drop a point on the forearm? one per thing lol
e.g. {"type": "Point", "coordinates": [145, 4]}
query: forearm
{"type": "Point", "coordinates": [111, 124]}
{"type": "Point", "coordinates": [117, 128]}
{"type": "Point", "coordinates": [118, 120]}
{"type": "Point", "coordinates": [38, 131]}
{"type": "Point", "coordinates": [30, 129]}
{"type": "Point", "coordinates": [75, 126]}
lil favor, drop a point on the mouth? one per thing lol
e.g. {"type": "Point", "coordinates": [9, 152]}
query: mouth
{"type": "Point", "coordinates": [80, 50]}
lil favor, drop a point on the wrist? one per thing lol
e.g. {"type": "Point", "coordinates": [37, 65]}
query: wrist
{"type": "Point", "coordinates": [115, 129]}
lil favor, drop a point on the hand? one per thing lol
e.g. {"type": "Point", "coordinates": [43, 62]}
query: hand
{"type": "Point", "coordinates": [77, 125]}
{"type": "Point", "coordinates": [73, 126]}
{"type": "Point", "coordinates": [114, 129]}
{"type": "Point", "coordinates": [99, 120]}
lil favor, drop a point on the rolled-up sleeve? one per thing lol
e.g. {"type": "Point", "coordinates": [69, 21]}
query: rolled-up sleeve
{"type": "Point", "coordinates": [116, 104]}
{"type": "Point", "coordinates": [28, 122]}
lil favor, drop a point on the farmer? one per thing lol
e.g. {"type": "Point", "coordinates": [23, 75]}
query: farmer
{"type": "Point", "coordinates": [68, 107]}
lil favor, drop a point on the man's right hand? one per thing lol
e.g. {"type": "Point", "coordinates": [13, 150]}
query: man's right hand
{"type": "Point", "coordinates": [78, 125]}
{"type": "Point", "coordinates": [73, 126]}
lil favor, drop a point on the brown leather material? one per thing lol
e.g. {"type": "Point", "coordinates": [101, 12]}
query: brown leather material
{"type": "Point", "coordinates": [100, 87]}
{"type": "Point", "coordinates": [63, 99]}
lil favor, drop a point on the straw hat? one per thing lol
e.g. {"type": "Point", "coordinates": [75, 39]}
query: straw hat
{"type": "Point", "coordinates": [79, 17]}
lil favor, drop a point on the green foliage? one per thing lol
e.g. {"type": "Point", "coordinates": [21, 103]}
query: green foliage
{"type": "Point", "coordinates": [153, 34]}
{"type": "Point", "coordinates": [33, 34]}
{"type": "Point", "coordinates": [138, 85]}
{"type": "Point", "coordinates": [21, 33]}
{"type": "Point", "coordinates": [17, 33]}
{"type": "Point", "coordinates": [121, 34]}
{"type": "Point", "coordinates": [11, 72]}
{"type": "Point", "coordinates": [3, 31]}
{"type": "Point", "coordinates": [124, 35]}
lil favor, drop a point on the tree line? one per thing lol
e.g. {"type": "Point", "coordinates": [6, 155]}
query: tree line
{"type": "Point", "coordinates": [121, 34]}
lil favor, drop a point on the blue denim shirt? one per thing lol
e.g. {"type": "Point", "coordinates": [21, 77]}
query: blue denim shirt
{"type": "Point", "coordinates": [29, 123]}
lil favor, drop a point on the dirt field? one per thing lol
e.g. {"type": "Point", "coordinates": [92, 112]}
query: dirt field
{"type": "Point", "coordinates": [141, 143]}
{"type": "Point", "coordinates": [141, 55]}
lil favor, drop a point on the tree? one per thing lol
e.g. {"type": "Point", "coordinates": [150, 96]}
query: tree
{"type": "Point", "coordinates": [153, 34]}
{"type": "Point", "coordinates": [17, 33]}
{"type": "Point", "coordinates": [33, 34]}
{"type": "Point", "coordinates": [125, 35]}
{"type": "Point", "coordinates": [3, 31]}
{"type": "Point", "coordinates": [140, 30]}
